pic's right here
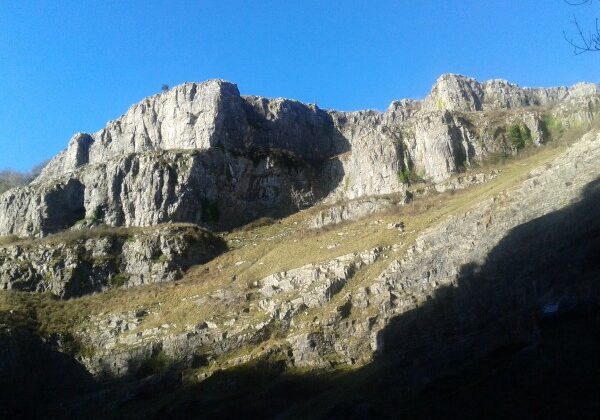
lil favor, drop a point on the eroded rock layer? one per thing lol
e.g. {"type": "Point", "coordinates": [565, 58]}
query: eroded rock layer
{"type": "Point", "coordinates": [457, 271]}
{"type": "Point", "coordinates": [204, 154]}
{"type": "Point", "coordinates": [79, 263]}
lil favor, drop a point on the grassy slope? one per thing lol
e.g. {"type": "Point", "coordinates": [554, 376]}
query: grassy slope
{"type": "Point", "coordinates": [260, 251]}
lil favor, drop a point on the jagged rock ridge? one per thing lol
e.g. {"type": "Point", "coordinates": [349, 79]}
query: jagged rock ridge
{"type": "Point", "coordinates": [431, 293]}
{"type": "Point", "coordinates": [204, 154]}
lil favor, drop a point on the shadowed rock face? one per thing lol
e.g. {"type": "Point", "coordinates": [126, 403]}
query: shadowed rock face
{"type": "Point", "coordinates": [51, 376]}
{"type": "Point", "coordinates": [204, 154]}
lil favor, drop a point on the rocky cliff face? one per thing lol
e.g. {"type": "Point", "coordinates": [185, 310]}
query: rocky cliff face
{"type": "Point", "coordinates": [319, 313]}
{"type": "Point", "coordinates": [204, 154]}
{"type": "Point", "coordinates": [79, 263]}
{"type": "Point", "coordinates": [381, 267]}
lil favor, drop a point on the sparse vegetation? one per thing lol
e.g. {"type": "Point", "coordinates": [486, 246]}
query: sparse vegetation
{"type": "Point", "coordinates": [404, 176]}
{"type": "Point", "coordinates": [518, 135]}
{"type": "Point", "coordinates": [258, 223]}
{"type": "Point", "coordinates": [552, 127]}
{"type": "Point", "coordinates": [157, 363]}
{"type": "Point", "coordinates": [408, 176]}
{"type": "Point", "coordinates": [440, 104]}
{"type": "Point", "coordinates": [8, 240]}
{"type": "Point", "coordinates": [119, 280]}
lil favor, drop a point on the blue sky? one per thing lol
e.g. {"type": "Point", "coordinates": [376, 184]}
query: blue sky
{"type": "Point", "coordinates": [68, 66]}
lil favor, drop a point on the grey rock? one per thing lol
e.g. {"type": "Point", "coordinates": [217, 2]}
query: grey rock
{"type": "Point", "coordinates": [437, 259]}
{"type": "Point", "coordinates": [203, 154]}
{"type": "Point", "coordinates": [74, 264]}
{"type": "Point", "coordinates": [352, 210]}
{"type": "Point", "coordinates": [458, 93]}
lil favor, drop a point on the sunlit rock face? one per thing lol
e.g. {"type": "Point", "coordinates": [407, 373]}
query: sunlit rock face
{"type": "Point", "coordinates": [204, 154]}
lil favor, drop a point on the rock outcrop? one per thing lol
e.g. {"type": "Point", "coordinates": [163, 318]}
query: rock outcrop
{"type": "Point", "coordinates": [354, 210]}
{"type": "Point", "coordinates": [119, 345]}
{"type": "Point", "coordinates": [447, 256]}
{"type": "Point", "coordinates": [77, 263]}
{"type": "Point", "coordinates": [204, 154]}
{"type": "Point", "coordinates": [472, 251]}
{"type": "Point", "coordinates": [431, 285]}
{"type": "Point", "coordinates": [457, 93]}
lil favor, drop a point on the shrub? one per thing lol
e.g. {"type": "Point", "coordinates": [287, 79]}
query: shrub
{"type": "Point", "coordinates": [407, 177]}
{"type": "Point", "coordinates": [119, 280]}
{"type": "Point", "coordinates": [552, 126]}
{"type": "Point", "coordinates": [404, 176]}
{"type": "Point", "coordinates": [518, 135]}
{"type": "Point", "coordinates": [160, 258]}
{"type": "Point", "coordinates": [155, 364]}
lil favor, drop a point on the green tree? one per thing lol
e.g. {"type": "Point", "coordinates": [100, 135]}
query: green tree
{"type": "Point", "coordinates": [518, 135]}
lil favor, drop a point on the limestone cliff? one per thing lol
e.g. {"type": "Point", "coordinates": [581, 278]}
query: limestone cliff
{"type": "Point", "coordinates": [346, 310]}
{"type": "Point", "coordinates": [81, 262]}
{"type": "Point", "coordinates": [204, 154]}
{"type": "Point", "coordinates": [369, 245]}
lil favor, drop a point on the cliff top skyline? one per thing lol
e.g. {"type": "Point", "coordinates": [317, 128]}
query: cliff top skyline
{"type": "Point", "coordinates": [73, 69]}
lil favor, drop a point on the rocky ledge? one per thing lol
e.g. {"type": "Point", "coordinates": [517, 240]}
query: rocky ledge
{"type": "Point", "coordinates": [202, 153]}
{"type": "Point", "coordinates": [79, 262]}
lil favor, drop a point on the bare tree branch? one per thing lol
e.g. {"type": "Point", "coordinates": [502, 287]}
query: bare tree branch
{"type": "Point", "coordinates": [578, 2]}
{"type": "Point", "coordinates": [584, 41]}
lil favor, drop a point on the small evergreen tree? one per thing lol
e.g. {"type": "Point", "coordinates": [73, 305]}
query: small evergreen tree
{"type": "Point", "coordinates": [518, 135]}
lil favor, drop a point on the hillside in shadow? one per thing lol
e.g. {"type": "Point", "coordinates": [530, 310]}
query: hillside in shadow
{"type": "Point", "coordinates": [519, 336]}
{"type": "Point", "coordinates": [36, 379]}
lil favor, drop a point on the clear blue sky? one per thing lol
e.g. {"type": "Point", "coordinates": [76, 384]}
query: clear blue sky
{"type": "Point", "coordinates": [68, 66]}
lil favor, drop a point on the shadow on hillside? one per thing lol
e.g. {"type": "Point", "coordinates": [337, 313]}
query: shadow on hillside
{"type": "Point", "coordinates": [35, 379]}
{"type": "Point", "coordinates": [495, 345]}
{"type": "Point", "coordinates": [483, 348]}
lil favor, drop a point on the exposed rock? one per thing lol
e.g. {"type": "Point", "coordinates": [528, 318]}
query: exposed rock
{"type": "Point", "coordinates": [373, 161]}
{"type": "Point", "coordinates": [73, 264]}
{"type": "Point", "coordinates": [117, 345]}
{"type": "Point", "coordinates": [312, 285]}
{"type": "Point", "coordinates": [464, 181]}
{"type": "Point", "coordinates": [203, 154]}
{"type": "Point", "coordinates": [352, 210]}
{"type": "Point", "coordinates": [458, 93]}
{"type": "Point", "coordinates": [442, 255]}
{"type": "Point", "coordinates": [211, 188]}
{"type": "Point", "coordinates": [190, 116]}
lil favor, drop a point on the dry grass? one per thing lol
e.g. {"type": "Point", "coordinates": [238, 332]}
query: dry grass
{"type": "Point", "coordinates": [258, 251]}
{"type": "Point", "coordinates": [71, 236]}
